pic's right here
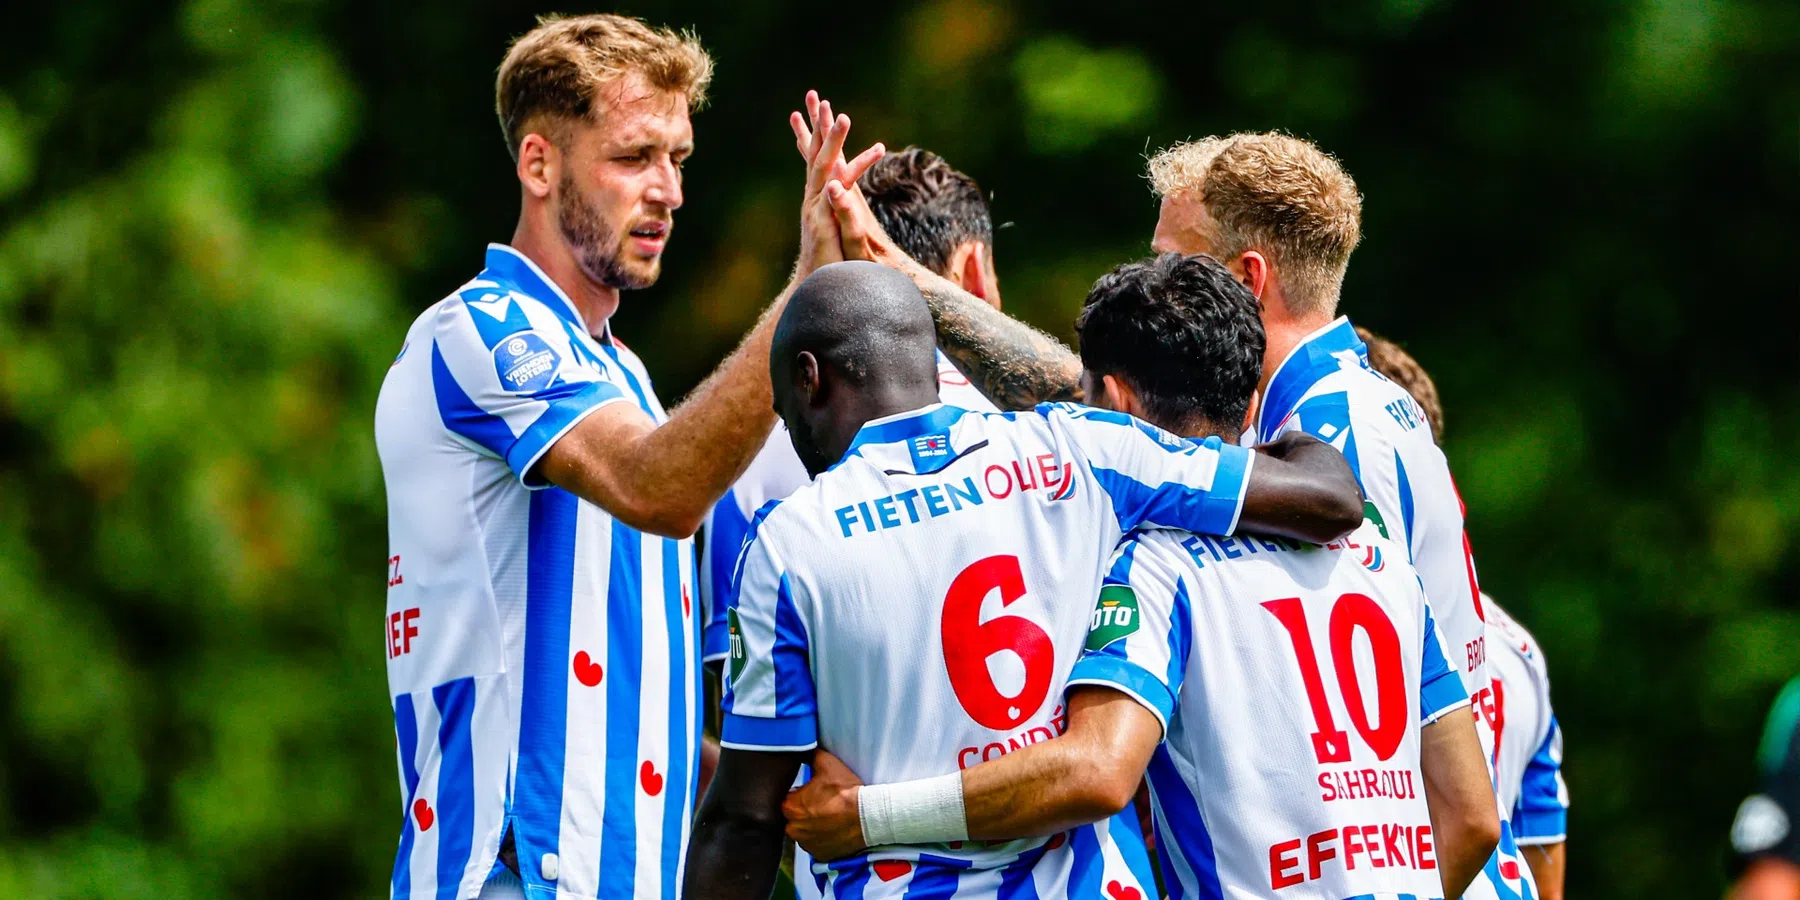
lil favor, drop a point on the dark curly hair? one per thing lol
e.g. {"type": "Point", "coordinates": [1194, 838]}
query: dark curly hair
{"type": "Point", "coordinates": [927, 207]}
{"type": "Point", "coordinates": [1183, 332]}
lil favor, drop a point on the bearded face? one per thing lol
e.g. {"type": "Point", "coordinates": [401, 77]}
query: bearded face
{"type": "Point", "coordinates": [606, 251]}
{"type": "Point", "coordinates": [620, 184]}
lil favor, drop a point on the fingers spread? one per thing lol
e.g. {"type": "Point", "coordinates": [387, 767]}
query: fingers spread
{"type": "Point", "coordinates": [853, 171]}
{"type": "Point", "coordinates": [802, 135]}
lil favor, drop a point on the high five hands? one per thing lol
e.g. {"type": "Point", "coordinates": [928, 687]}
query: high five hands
{"type": "Point", "coordinates": [833, 206]}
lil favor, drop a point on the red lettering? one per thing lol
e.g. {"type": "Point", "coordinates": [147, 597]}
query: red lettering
{"type": "Point", "coordinates": [1390, 839]}
{"type": "Point", "coordinates": [998, 748]}
{"type": "Point", "coordinates": [1326, 792]}
{"type": "Point", "coordinates": [1370, 788]}
{"type": "Point", "coordinates": [962, 757]}
{"type": "Point", "coordinates": [1282, 857]}
{"type": "Point", "coordinates": [394, 571]}
{"type": "Point", "coordinates": [1047, 470]}
{"type": "Point", "coordinates": [1372, 843]}
{"type": "Point", "coordinates": [1499, 717]}
{"type": "Point", "coordinates": [401, 631]}
{"type": "Point", "coordinates": [1317, 853]}
{"type": "Point", "coordinates": [987, 479]}
{"type": "Point", "coordinates": [1352, 845]}
{"type": "Point", "coordinates": [1026, 481]}
{"type": "Point", "coordinates": [1422, 848]}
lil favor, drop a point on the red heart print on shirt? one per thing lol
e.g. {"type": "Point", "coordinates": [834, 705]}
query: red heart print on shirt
{"type": "Point", "coordinates": [422, 814]}
{"type": "Point", "coordinates": [890, 869]}
{"type": "Point", "coordinates": [587, 671]}
{"type": "Point", "coordinates": [1117, 891]}
{"type": "Point", "coordinates": [652, 782]}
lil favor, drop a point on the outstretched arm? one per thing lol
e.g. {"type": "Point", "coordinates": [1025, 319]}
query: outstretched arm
{"type": "Point", "coordinates": [1014, 364]}
{"type": "Point", "coordinates": [1089, 773]}
{"type": "Point", "coordinates": [1464, 824]}
{"type": "Point", "coordinates": [736, 848]}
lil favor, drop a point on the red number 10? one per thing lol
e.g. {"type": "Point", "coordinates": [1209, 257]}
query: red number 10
{"type": "Point", "coordinates": [1349, 613]}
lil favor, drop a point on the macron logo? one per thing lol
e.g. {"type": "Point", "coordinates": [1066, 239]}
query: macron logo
{"type": "Point", "coordinates": [497, 306]}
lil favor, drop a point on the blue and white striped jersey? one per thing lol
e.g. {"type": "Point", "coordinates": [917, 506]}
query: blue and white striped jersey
{"type": "Point", "coordinates": [1291, 681]}
{"type": "Point", "coordinates": [775, 473]}
{"type": "Point", "coordinates": [542, 657]}
{"type": "Point", "coordinates": [1327, 388]}
{"type": "Point", "coordinates": [917, 608]}
{"type": "Point", "coordinates": [1528, 763]}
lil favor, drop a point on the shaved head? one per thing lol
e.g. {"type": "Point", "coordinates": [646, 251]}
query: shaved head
{"type": "Point", "coordinates": [855, 343]}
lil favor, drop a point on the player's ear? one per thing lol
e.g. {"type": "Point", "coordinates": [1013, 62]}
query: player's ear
{"type": "Point", "coordinates": [1117, 394]}
{"type": "Point", "coordinates": [539, 163]}
{"type": "Point", "coordinates": [1256, 275]}
{"type": "Point", "coordinates": [965, 267]}
{"type": "Point", "coordinates": [806, 376]}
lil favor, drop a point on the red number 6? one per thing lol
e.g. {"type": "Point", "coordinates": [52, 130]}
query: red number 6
{"type": "Point", "coordinates": [968, 643]}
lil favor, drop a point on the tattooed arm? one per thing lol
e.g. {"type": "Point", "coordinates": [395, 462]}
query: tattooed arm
{"type": "Point", "coordinates": [1014, 364]}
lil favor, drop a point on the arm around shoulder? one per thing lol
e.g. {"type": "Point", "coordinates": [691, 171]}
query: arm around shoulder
{"type": "Point", "coordinates": [1301, 488]}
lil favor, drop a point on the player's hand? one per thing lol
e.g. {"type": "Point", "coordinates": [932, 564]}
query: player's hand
{"type": "Point", "coordinates": [862, 234]}
{"type": "Point", "coordinates": [822, 814]}
{"type": "Point", "coordinates": [820, 136]}
{"type": "Point", "coordinates": [820, 243]}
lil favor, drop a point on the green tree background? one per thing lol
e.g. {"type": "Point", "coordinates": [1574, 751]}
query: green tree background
{"type": "Point", "coordinates": [216, 219]}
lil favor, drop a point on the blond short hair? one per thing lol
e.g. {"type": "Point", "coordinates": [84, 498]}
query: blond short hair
{"type": "Point", "coordinates": [552, 75]}
{"type": "Point", "coordinates": [1277, 194]}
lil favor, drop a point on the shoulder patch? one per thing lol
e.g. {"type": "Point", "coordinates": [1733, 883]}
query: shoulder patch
{"type": "Point", "coordinates": [1116, 616]}
{"type": "Point", "coordinates": [525, 364]}
{"type": "Point", "coordinates": [735, 635]}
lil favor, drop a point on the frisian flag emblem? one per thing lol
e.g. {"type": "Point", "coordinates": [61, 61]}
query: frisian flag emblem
{"type": "Point", "coordinates": [931, 445]}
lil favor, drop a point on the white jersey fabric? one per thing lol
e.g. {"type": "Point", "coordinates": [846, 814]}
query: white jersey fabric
{"type": "Point", "coordinates": [1529, 759]}
{"type": "Point", "coordinates": [917, 608]}
{"type": "Point", "coordinates": [1291, 681]}
{"type": "Point", "coordinates": [1327, 388]}
{"type": "Point", "coordinates": [542, 657]}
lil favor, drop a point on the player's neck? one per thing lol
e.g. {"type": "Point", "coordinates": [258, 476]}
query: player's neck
{"type": "Point", "coordinates": [873, 402]}
{"type": "Point", "coordinates": [595, 301]}
{"type": "Point", "coordinates": [1282, 334]}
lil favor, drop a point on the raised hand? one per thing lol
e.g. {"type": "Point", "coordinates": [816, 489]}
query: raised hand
{"type": "Point", "coordinates": [860, 232]}
{"type": "Point", "coordinates": [820, 136]}
{"type": "Point", "coordinates": [822, 814]}
{"type": "Point", "coordinates": [822, 147]}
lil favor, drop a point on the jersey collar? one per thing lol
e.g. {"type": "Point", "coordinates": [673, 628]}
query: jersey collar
{"type": "Point", "coordinates": [1316, 356]}
{"type": "Point", "coordinates": [926, 420]}
{"type": "Point", "coordinates": [507, 264]}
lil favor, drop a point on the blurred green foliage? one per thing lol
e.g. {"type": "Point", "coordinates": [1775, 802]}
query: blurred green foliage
{"type": "Point", "coordinates": [216, 219]}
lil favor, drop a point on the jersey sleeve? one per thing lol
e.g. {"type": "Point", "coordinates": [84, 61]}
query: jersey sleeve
{"type": "Point", "coordinates": [508, 379]}
{"type": "Point", "coordinates": [1154, 478]}
{"type": "Point", "coordinates": [721, 546]}
{"type": "Point", "coordinates": [1541, 815]}
{"type": "Point", "coordinates": [1141, 630]}
{"type": "Point", "coordinates": [769, 700]}
{"type": "Point", "coordinates": [1440, 688]}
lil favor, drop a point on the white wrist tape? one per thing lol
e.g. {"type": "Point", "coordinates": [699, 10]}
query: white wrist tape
{"type": "Point", "coordinates": [926, 811]}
